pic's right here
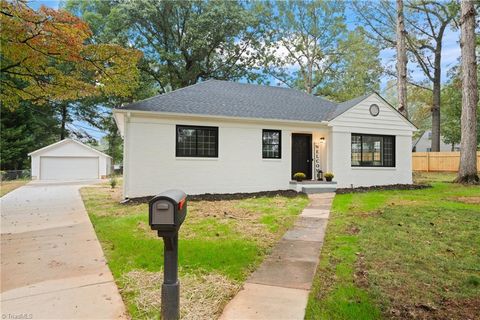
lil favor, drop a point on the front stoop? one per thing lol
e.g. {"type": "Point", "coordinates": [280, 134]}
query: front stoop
{"type": "Point", "coordinates": [279, 288]}
{"type": "Point", "coordinates": [312, 186]}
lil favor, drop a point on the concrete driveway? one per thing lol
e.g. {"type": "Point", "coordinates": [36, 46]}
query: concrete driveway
{"type": "Point", "coordinates": [52, 263]}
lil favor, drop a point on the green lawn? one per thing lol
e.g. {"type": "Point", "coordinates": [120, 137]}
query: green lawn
{"type": "Point", "coordinates": [401, 255]}
{"type": "Point", "coordinates": [8, 186]}
{"type": "Point", "coordinates": [220, 242]}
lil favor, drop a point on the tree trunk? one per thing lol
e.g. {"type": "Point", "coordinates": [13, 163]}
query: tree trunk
{"type": "Point", "coordinates": [113, 142]}
{"type": "Point", "coordinates": [111, 147]}
{"type": "Point", "coordinates": [436, 118]}
{"type": "Point", "coordinates": [467, 172]}
{"type": "Point", "coordinates": [401, 61]}
{"type": "Point", "coordinates": [64, 114]}
{"type": "Point", "coordinates": [309, 78]}
{"type": "Point", "coordinates": [437, 87]}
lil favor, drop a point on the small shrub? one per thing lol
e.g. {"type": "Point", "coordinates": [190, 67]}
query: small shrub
{"type": "Point", "coordinates": [329, 176]}
{"type": "Point", "coordinates": [299, 176]}
{"type": "Point", "coordinates": [25, 174]}
{"type": "Point", "coordinates": [113, 182]}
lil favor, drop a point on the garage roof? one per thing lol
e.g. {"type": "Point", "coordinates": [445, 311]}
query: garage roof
{"type": "Point", "coordinates": [233, 99]}
{"type": "Point", "coordinates": [67, 141]}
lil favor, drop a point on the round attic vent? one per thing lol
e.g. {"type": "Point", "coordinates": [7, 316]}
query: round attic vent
{"type": "Point", "coordinates": [374, 110]}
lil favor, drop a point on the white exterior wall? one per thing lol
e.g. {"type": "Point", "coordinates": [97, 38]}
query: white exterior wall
{"type": "Point", "coordinates": [359, 120]}
{"type": "Point", "coordinates": [69, 149]}
{"type": "Point", "coordinates": [150, 164]}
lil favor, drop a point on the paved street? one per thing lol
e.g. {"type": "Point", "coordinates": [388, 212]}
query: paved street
{"type": "Point", "coordinates": [52, 263]}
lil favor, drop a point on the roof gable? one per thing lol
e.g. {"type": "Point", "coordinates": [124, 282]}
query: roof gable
{"type": "Point", "coordinates": [63, 142]}
{"type": "Point", "coordinates": [356, 111]}
{"type": "Point", "coordinates": [344, 106]}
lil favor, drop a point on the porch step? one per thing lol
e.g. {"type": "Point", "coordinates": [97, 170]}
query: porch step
{"type": "Point", "coordinates": [313, 186]}
{"type": "Point", "coordinates": [319, 189]}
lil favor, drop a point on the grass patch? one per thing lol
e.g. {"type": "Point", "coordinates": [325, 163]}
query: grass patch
{"type": "Point", "coordinates": [219, 240]}
{"type": "Point", "coordinates": [8, 186]}
{"type": "Point", "coordinates": [401, 254]}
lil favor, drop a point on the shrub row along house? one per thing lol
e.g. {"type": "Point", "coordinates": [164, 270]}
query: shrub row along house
{"type": "Point", "coordinates": [225, 137]}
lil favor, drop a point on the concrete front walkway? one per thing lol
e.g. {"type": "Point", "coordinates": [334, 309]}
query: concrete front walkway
{"type": "Point", "coordinates": [279, 288]}
{"type": "Point", "coordinates": [52, 263]}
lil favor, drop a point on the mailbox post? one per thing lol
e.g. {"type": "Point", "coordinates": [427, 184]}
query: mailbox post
{"type": "Point", "coordinates": [166, 213]}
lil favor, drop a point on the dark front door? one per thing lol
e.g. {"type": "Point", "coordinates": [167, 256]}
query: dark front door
{"type": "Point", "coordinates": [302, 154]}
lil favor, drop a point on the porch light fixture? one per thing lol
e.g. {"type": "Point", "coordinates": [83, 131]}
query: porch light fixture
{"type": "Point", "coordinates": [322, 139]}
{"type": "Point", "coordinates": [320, 175]}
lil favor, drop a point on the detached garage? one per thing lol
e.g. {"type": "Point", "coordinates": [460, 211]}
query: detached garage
{"type": "Point", "coordinates": [69, 160]}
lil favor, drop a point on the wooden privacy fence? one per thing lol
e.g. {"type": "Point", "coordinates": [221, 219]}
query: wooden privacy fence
{"type": "Point", "coordinates": [438, 161]}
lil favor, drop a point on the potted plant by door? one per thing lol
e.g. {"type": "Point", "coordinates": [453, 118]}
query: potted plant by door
{"type": "Point", "coordinates": [328, 176]}
{"type": "Point", "coordinates": [299, 176]}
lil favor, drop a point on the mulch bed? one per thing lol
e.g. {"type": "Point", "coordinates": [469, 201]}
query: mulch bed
{"type": "Point", "coordinates": [227, 196]}
{"type": "Point", "coordinates": [282, 193]}
{"type": "Point", "coordinates": [381, 188]}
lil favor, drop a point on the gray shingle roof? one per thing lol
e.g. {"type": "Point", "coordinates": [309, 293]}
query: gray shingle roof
{"type": "Point", "coordinates": [232, 99]}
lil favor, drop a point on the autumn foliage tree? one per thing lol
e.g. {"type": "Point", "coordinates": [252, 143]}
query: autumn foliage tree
{"type": "Point", "coordinates": [46, 56]}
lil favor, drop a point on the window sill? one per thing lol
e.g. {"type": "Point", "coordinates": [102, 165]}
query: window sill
{"type": "Point", "coordinates": [272, 159]}
{"type": "Point", "coordinates": [196, 158]}
{"type": "Point", "coordinates": [374, 168]}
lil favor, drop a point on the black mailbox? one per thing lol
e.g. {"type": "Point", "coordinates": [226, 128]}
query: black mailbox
{"type": "Point", "coordinates": [167, 212]}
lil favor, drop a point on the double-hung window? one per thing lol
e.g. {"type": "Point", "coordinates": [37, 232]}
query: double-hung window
{"type": "Point", "coordinates": [373, 150]}
{"type": "Point", "coordinates": [271, 144]}
{"type": "Point", "coordinates": [196, 141]}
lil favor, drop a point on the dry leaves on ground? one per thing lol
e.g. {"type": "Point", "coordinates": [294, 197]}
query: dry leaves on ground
{"type": "Point", "coordinates": [468, 200]}
{"type": "Point", "coordinates": [246, 222]}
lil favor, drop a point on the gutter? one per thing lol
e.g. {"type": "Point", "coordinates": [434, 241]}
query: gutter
{"type": "Point", "coordinates": [209, 117]}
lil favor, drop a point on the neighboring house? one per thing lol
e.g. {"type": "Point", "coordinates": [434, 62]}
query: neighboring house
{"type": "Point", "coordinates": [424, 144]}
{"type": "Point", "coordinates": [69, 160]}
{"type": "Point", "coordinates": [224, 137]}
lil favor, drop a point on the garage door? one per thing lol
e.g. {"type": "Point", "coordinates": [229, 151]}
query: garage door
{"type": "Point", "coordinates": [68, 168]}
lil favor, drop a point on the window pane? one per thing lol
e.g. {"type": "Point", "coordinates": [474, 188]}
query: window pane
{"type": "Point", "coordinates": [373, 151]}
{"type": "Point", "coordinates": [377, 151]}
{"type": "Point", "coordinates": [275, 137]}
{"type": "Point", "coordinates": [186, 144]}
{"type": "Point", "coordinates": [206, 139]}
{"type": "Point", "coordinates": [271, 144]}
{"type": "Point", "coordinates": [270, 151]}
{"type": "Point", "coordinates": [356, 150]}
{"type": "Point", "coordinates": [367, 151]}
{"type": "Point", "coordinates": [389, 152]}
{"type": "Point", "coordinates": [197, 141]}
